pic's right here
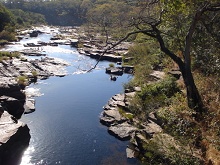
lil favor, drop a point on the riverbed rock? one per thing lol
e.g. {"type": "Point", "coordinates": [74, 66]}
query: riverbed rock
{"type": "Point", "coordinates": [13, 106]}
{"type": "Point", "coordinates": [114, 70]}
{"type": "Point", "coordinates": [11, 96]}
{"type": "Point", "coordinates": [14, 139]}
{"type": "Point", "coordinates": [111, 114]}
{"type": "Point", "coordinates": [122, 131]}
{"type": "Point", "coordinates": [29, 106]}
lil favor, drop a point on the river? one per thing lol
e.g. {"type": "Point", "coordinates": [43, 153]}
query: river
{"type": "Point", "coordinates": [65, 127]}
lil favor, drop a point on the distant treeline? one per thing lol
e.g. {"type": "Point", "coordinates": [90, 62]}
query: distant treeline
{"type": "Point", "coordinates": [56, 12]}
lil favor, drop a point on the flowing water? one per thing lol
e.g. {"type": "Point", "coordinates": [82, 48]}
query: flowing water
{"type": "Point", "coordinates": [65, 127]}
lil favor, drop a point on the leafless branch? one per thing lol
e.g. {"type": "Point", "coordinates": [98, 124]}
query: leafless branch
{"type": "Point", "coordinates": [117, 43]}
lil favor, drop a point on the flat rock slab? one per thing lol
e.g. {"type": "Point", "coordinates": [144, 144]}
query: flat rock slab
{"type": "Point", "coordinates": [8, 127]}
{"type": "Point", "coordinates": [119, 97]}
{"type": "Point", "coordinates": [113, 114]}
{"type": "Point", "coordinates": [152, 128]}
{"type": "Point", "coordinates": [29, 106]}
{"type": "Point", "coordinates": [122, 131]}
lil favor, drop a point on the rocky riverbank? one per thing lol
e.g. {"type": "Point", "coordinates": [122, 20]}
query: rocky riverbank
{"type": "Point", "coordinates": [143, 136]}
{"type": "Point", "coordinates": [14, 138]}
{"type": "Point", "coordinates": [15, 75]}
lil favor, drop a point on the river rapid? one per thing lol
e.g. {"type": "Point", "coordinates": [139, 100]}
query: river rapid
{"type": "Point", "coordinates": [65, 127]}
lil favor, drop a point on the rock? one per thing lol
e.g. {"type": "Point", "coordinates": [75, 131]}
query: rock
{"type": "Point", "coordinates": [152, 128]}
{"type": "Point", "coordinates": [152, 117]}
{"type": "Point", "coordinates": [108, 121]}
{"type": "Point", "coordinates": [137, 89]}
{"type": "Point", "coordinates": [29, 106]}
{"type": "Point", "coordinates": [11, 96]}
{"type": "Point", "coordinates": [128, 69]}
{"type": "Point", "coordinates": [122, 131]}
{"type": "Point", "coordinates": [130, 153]}
{"type": "Point", "coordinates": [14, 139]}
{"type": "Point", "coordinates": [113, 114]}
{"type": "Point", "coordinates": [33, 34]}
{"type": "Point", "coordinates": [158, 75]}
{"type": "Point", "coordinates": [13, 106]}
{"type": "Point", "coordinates": [175, 73]}
{"type": "Point", "coordinates": [107, 57]}
{"type": "Point", "coordinates": [114, 70]}
{"type": "Point", "coordinates": [113, 78]}
{"type": "Point", "coordinates": [118, 97]}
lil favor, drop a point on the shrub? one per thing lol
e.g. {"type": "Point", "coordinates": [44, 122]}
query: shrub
{"type": "Point", "coordinates": [22, 80]}
{"type": "Point", "coordinates": [34, 73]}
{"type": "Point", "coordinates": [111, 65]}
{"type": "Point", "coordinates": [153, 96]}
{"type": "Point", "coordinates": [4, 55]}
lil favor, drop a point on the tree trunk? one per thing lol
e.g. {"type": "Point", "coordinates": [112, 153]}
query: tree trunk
{"type": "Point", "coordinates": [193, 97]}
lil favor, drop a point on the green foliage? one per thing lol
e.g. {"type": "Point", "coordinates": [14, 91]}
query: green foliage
{"type": "Point", "coordinates": [23, 18]}
{"type": "Point", "coordinates": [163, 149]}
{"type": "Point", "coordinates": [4, 55]}
{"type": "Point", "coordinates": [58, 12]}
{"type": "Point", "coordinates": [145, 57]}
{"type": "Point", "coordinates": [153, 96]}
{"type": "Point", "coordinates": [5, 17]}
{"type": "Point", "coordinates": [22, 80]}
{"type": "Point", "coordinates": [7, 35]}
{"type": "Point", "coordinates": [111, 65]}
{"type": "Point", "coordinates": [6, 24]}
{"type": "Point", "coordinates": [125, 114]}
{"type": "Point", "coordinates": [34, 73]}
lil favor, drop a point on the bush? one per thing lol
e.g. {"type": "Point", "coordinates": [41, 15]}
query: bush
{"type": "Point", "coordinates": [34, 73]}
{"type": "Point", "coordinates": [153, 96]}
{"type": "Point", "coordinates": [22, 80]}
{"type": "Point", "coordinates": [111, 65]}
{"type": "Point", "coordinates": [8, 36]}
{"type": "Point", "coordinates": [4, 55]}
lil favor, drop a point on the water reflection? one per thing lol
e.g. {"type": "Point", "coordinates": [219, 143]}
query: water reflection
{"type": "Point", "coordinates": [65, 127]}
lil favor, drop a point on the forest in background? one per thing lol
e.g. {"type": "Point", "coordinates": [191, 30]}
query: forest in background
{"type": "Point", "coordinates": [167, 35]}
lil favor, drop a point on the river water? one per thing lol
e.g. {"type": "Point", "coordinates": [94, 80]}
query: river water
{"type": "Point", "coordinates": [65, 127]}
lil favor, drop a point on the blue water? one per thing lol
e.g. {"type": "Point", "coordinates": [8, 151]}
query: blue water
{"type": "Point", "coordinates": [65, 127]}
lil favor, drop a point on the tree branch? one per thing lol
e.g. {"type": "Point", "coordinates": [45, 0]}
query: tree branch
{"type": "Point", "coordinates": [117, 43]}
{"type": "Point", "coordinates": [164, 49]}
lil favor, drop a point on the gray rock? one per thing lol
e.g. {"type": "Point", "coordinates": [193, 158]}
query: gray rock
{"type": "Point", "coordinates": [130, 153]}
{"type": "Point", "coordinates": [113, 114]}
{"type": "Point", "coordinates": [13, 106]}
{"type": "Point", "coordinates": [114, 70]}
{"type": "Point", "coordinates": [122, 131]}
{"type": "Point", "coordinates": [29, 106]}
{"type": "Point", "coordinates": [14, 138]}
{"type": "Point", "coordinates": [108, 121]}
{"type": "Point", "coordinates": [118, 97]}
{"type": "Point", "coordinates": [152, 128]}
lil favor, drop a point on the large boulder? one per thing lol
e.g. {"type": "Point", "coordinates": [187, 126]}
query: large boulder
{"type": "Point", "coordinates": [122, 131]}
{"type": "Point", "coordinates": [13, 106]}
{"type": "Point", "coordinates": [14, 139]}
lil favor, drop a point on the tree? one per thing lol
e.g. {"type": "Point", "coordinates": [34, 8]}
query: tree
{"type": "Point", "coordinates": [5, 17]}
{"type": "Point", "coordinates": [172, 24]}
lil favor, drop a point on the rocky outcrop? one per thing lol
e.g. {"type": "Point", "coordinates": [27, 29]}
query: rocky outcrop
{"type": "Point", "coordinates": [14, 139]}
{"type": "Point", "coordinates": [16, 73]}
{"type": "Point", "coordinates": [114, 70]}
{"type": "Point", "coordinates": [11, 96]}
{"type": "Point", "coordinates": [122, 124]}
{"type": "Point", "coordinates": [122, 131]}
{"type": "Point", "coordinates": [95, 48]}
